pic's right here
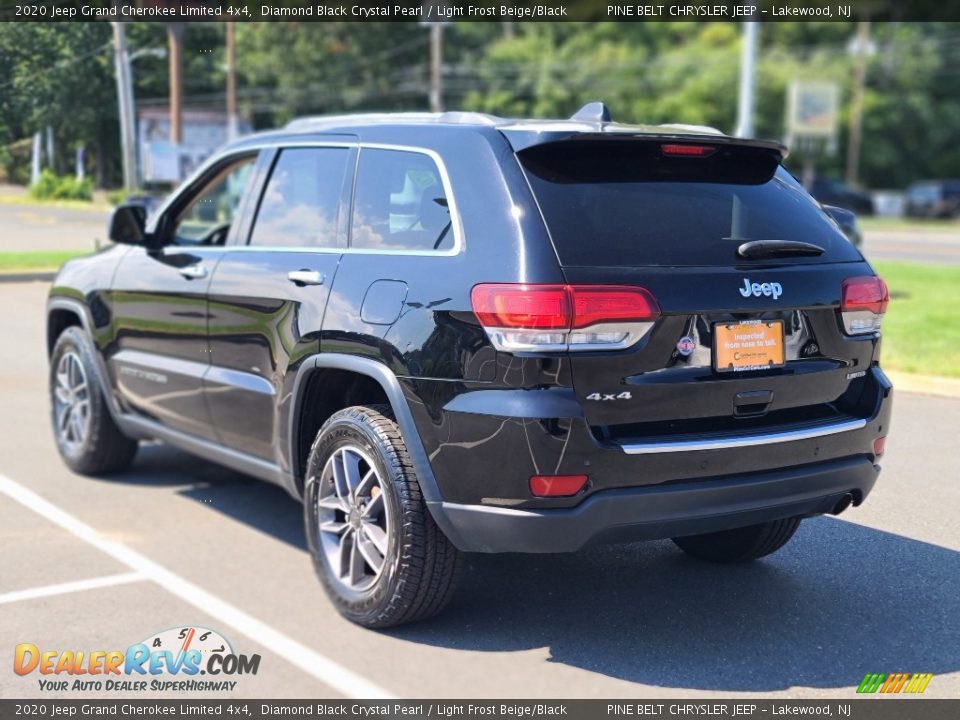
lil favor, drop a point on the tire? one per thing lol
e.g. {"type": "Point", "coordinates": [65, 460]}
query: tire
{"type": "Point", "coordinates": [89, 441]}
{"type": "Point", "coordinates": [740, 544]}
{"type": "Point", "coordinates": [349, 533]}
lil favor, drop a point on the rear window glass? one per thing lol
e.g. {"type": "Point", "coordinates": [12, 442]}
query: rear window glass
{"type": "Point", "coordinates": [625, 203]}
{"type": "Point", "coordinates": [400, 203]}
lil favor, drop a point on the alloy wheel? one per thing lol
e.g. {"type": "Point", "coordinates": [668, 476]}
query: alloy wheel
{"type": "Point", "coordinates": [354, 518]}
{"type": "Point", "coordinates": [71, 401]}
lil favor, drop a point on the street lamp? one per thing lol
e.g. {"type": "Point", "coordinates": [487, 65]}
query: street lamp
{"type": "Point", "coordinates": [122, 64]}
{"type": "Point", "coordinates": [160, 53]}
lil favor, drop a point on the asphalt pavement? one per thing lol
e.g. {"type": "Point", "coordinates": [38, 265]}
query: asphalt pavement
{"type": "Point", "coordinates": [98, 564]}
{"type": "Point", "coordinates": [48, 227]}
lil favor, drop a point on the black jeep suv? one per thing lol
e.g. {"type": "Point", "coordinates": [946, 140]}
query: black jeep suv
{"type": "Point", "coordinates": [455, 332]}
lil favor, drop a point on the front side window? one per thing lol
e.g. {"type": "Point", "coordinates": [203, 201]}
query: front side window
{"type": "Point", "coordinates": [301, 203]}
{"type": "Point", "coordinates": [400, 203]}
{"type": "Point", "coordinates": [207, 218]}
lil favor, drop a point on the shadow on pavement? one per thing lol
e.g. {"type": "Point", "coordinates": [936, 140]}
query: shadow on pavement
{"type": "Point", "coordinates": [263, 506]}
{"type": "Point", "coordinates": [840, 600]}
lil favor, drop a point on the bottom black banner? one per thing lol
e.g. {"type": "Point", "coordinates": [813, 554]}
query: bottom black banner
{"type": "Point", "coordinates": [878, 708]}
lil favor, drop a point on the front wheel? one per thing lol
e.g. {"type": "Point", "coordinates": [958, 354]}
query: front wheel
{"type": "Point", "coordinates": [88, 439]}
{"type": "Point", "coordinates": [740, 544]}
{"type": "Point", "coordinates": [379, 555]}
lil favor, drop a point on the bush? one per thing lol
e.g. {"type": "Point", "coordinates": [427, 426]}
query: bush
{"type": "Point", "coordinates": [116, 197]}
{"type": "Point", "coordinates": [51, 186]}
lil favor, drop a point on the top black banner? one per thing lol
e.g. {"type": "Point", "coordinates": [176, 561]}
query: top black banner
{"type": "Point", "coordinates": [433, 11]}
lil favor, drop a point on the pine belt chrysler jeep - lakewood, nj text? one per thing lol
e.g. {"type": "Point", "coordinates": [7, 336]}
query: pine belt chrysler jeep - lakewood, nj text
{"type": "Point", "coordinates": [455, 333]}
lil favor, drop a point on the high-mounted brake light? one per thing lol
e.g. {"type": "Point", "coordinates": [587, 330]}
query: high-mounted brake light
{"type": "Point", "coordinates": [684, 150]}
{"type": "Point", "coordinates": [863, 302]}
{"type": "Point", "coordinates": [551, 318]}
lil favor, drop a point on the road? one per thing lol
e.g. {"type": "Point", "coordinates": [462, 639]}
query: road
{"type": "Point", "coordinates": [928, 246]}
{"type": "Point", "coordinates": [178, 541]}
{"type": "Point", "coordinates": [40, 227]}
{"type": "Point", "coordinates": [33, 227]}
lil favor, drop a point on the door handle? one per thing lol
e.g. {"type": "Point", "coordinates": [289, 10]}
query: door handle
{"type": "Point", "coordinates": [306, 277]}
{"type": "Point", "coordinates": [194, 272]}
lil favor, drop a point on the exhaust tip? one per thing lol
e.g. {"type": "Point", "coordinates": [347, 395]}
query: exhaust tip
{"type": "Point", "coordinates": [842, 504]}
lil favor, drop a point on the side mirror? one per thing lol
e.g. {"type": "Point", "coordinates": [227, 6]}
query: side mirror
{"type": "Point", "coordinates": [127, 225]}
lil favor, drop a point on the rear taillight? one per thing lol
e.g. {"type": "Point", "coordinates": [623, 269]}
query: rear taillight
{"type": "Point", "coordinates": [863, 301]}
{"type": "Point", "coordinates": [552, 318]}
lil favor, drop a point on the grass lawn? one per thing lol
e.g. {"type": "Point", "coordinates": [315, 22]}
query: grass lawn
{"type": "Point", "coordinates": [921, 332]}
{"type": "Point", "coordinates": [39, 260]}
{"type": "Point", "coordinates": [98, 204]}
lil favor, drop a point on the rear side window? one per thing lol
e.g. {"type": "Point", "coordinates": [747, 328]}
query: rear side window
{"type": "Point", "coordinates": [626, 203]}
{"type": "Point", "coordinates": [301, 203]}
{"type": "Point", "coordinates": [399, 203]}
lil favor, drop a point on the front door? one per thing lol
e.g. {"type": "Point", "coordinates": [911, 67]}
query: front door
{"type": "Point", "coordinates": [159, 303]}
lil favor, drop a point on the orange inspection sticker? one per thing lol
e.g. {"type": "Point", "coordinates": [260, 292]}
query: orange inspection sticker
{"type": "Point", "coordinates": [751, 345]}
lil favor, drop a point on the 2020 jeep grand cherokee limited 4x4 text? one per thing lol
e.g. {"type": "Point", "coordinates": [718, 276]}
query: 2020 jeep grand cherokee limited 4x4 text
{"type": "Point", "coordinates": [452, 333]}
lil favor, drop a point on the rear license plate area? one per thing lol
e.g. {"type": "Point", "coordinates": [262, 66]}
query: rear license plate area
{"type": "Point", "coordinates": [748, 345]}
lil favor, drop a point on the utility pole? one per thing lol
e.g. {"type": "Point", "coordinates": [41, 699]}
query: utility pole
{"type": "Point", "coordinates": [856, 102]}
{"type": "Point", "coordinates": [175, 53]}
{"type": "Point", "coordinates": [232, 125]}
{"type": "Point", "coordinates": [124, 105]}
{"type": "Point", "coordinates": [436, 62]}
{"type": "Point", "coordinates": [748, 58]}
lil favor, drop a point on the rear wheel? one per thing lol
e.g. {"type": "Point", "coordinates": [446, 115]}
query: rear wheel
{"type": "Point", "coordinates": [740, 544]}
{"type": "Point", "coordinates": [87, 438]}
{"type": "Point", "coordinates": [379, 555]}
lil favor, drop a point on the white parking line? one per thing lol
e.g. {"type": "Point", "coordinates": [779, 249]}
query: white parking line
{"type": "Point", "coordinates": [71, 587]}
{"type": "Point", "coordinates": [311, 662]}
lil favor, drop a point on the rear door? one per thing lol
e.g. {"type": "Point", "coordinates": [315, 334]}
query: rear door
{"type": "Point", "coordinates": [743, 340]}
{"type": "Point", "coordinates": [270, 291]}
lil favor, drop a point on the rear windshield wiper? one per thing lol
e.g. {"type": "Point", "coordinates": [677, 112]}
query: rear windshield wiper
{"type": "Point", "coordinates": [756, 249]}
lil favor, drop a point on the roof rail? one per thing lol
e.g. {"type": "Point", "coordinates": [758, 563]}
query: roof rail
{"type": "Point", "coordinates": [453, 117]}
{"type": "Point", "coordinates": [315, 121]}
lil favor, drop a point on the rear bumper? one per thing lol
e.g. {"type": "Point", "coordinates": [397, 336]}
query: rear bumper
{"type": "Point", "coordinates": [655, 512]}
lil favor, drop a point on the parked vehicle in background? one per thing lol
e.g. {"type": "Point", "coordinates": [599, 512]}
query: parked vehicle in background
{"type": "Point", "coordinates": [847, 221]}
{"type": "Point", "coordinates": [933, 199]}
{"type": "Point", "coordinates": [454, 332]}
{"type": "Point", "coordinates": [830, 191]}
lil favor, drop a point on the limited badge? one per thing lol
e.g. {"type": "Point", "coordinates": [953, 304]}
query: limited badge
{"type": "Point", "coordinates": [686, 345]}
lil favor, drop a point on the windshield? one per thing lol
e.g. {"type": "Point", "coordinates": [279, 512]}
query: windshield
{"type": "Point", "coordinates": [625, 203]}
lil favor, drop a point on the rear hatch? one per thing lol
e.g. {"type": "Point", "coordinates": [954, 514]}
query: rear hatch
{"type": "Point", "coordinates": [746, 270]}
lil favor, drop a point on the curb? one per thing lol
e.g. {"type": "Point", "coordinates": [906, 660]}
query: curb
{"type": "Point", "coordinates": [937, 385]}
{"type": "Point", "coordinates": [28, 276]}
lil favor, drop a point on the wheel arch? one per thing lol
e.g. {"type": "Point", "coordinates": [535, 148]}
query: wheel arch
{"type": "Point", "coordinates": [65, 312]}
{"type": "Point", "coordinates": [386, 381]}
{"type": "Point", "coordinates": [60, 316]}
